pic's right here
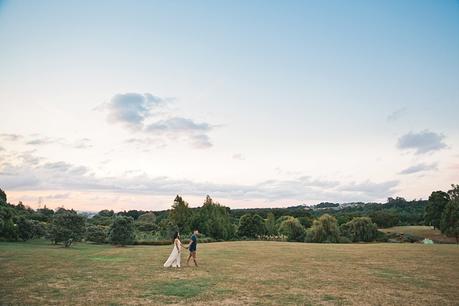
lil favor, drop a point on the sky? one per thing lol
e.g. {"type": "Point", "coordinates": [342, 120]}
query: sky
{"type": "Point", "coordinates": [122, 105]}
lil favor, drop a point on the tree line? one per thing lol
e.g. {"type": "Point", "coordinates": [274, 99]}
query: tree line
{"type": "Point", "coordinates": [326, 222]}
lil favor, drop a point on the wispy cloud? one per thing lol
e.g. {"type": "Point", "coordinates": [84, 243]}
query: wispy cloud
{"type": "Point", "coordinates": [10, 137]}
{"type": "Point", "coordinates": [41, 140]}
{"type": "Point", "coordinates": [419, 168]}
{"type": "Point", "coordinates": [397, 114]}
{"type": "Point", "coordinates": [422, 142]}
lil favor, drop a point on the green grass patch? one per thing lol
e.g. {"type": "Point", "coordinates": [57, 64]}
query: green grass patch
{"type": "Point", "coordinates": [182, 288]}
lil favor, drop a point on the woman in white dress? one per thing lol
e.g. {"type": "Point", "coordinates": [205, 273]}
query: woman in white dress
{"type": "Point", "coordinates": [174, 258]}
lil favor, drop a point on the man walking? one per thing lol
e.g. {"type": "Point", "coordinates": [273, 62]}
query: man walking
{"type": "Point", "coordinates": [192, 247]}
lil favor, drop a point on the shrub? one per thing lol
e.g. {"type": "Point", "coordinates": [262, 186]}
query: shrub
{"type": "Point", "coordinates": [381, 236]}
{"type": "Point", "coordinates": [293, 229]}
{"type": "Point", "coordinates": [344, 239]}
{"type": "Point", "coordinates": [325, 229]}
{"type": "Point", "coordinates": [96, 233]}
{"type": "Point", "coordinates": [122, 231]}
{"type": "Point", "coordinates": [359, 229]}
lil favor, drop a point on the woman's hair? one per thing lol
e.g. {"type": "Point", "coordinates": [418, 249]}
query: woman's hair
{"type": "Point", "coordinates": [176, 234]}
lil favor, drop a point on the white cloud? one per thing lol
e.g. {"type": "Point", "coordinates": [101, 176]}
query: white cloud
{"type": "Point", "coordinates": [131, 109]}
{"type": "Point", "coordinates": [136, 111]}
{"type": "Point", "coordinates": [422, 142]}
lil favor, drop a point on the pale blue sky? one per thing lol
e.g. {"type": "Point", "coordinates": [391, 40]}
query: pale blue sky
{"type": "Point", "coordinates": [257, 103]}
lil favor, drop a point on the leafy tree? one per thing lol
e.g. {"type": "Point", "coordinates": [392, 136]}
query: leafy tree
{"type": "Point", "coordinates": [324, 229]}
{"type": "Point", "coordinates": [167, 228]}
{"type": "Point", "coordinates": [43, 214]}
{"type": "Point", "coordinates": [213, 220]}
{"type": "Point", "coordinates": [105, 213]}
{"type": "Point", "coordinates": [2, 196]}
{"type": "Point", "coordinates": [181, 214]}
{"type": "Point", "coordinates": [134, 214]}
{"type": "Point", "coordinates": [359, 229]}
{"type": "Point", "coordinates": [384, 218]}
{"type": "Point", "coordinates": [146, 223]}
{"type": "Point", "coordinates": [67, 226]}
{"type": "Point", "coordinates": [147, 218]}
{"type": "Point", "coordinates": [454, 192]}
{"type": "Point", "coordinates": [8, 230]}
{"type": "Point", "coordinates": [293, 229]}
{"type": "Point", "coordinates": [122, 231]}
{"type": "Point", "coordinates": [270, 225]}
{"type": "Point", "coordinates": [450, 219]}
{"type": "Point", "coordinates": [96, 233]}
{"type": "Point", "coordinates": [26, 229]}
{"type": "Point", "coordinates": [306, 221]}
{"type": "Point", "coordinates": [251, 226]}
{"type": "Point", "coordinates": [435, 207]}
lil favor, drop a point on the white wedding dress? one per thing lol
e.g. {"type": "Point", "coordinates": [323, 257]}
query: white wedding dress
{"type": "Point", "coordinates": [174, 258]}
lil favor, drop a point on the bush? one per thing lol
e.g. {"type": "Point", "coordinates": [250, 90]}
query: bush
{"type": "Point", "coordinates": [344, 239]}
{"type": "Point", "coordinates": [67, 226]}
{"type": "Point", "coordinates": [325, 229]}
{"type": "Point", "coordinates": [96, 233]}
{"type": "Point", "coordinates": [122, 231]}
{"type": "Point", "coordinates": [293, 229]}
{"type": "Point", "coordinates": [359, 229]}
{"type": "Point", "coordinates": [381, 236]}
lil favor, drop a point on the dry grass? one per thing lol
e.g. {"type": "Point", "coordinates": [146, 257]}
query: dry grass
{"type": "Point", "coordinates": [421, 231]}
{"type": "Point", "coordinates": [273, 273]}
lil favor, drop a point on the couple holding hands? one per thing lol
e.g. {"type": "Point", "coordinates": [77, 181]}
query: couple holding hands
{"type": "Point", "coordinates": [174, 258]}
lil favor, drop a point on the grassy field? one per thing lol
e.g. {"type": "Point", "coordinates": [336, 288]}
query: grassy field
{"type": "Point", "coordinates": [421, 231]}
{"type": "Point", "coordinates": [273, 273]}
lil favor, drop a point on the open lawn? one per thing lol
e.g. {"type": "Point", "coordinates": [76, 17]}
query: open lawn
{"type": "Point", "coordinates": [273, 273]}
